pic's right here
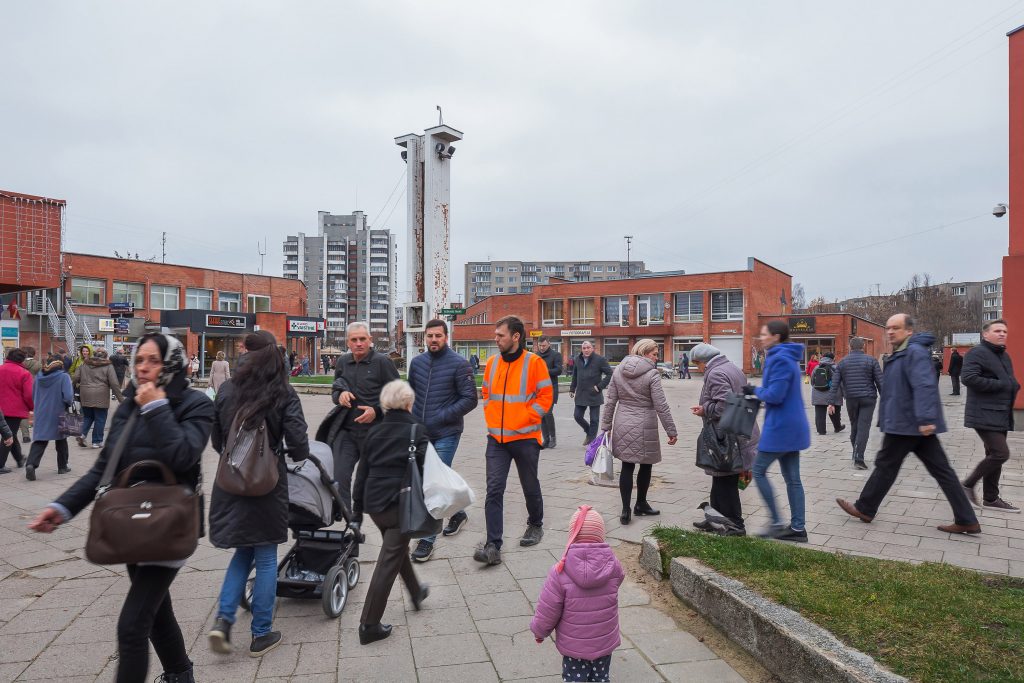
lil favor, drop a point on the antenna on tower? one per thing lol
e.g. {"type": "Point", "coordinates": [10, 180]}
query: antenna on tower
{"type": "Point", "coordinates": [163, 248]}
{"type": "Point", "coordinates": [262, 249]}
{"type": "Point", "coordinates": [440, 116]}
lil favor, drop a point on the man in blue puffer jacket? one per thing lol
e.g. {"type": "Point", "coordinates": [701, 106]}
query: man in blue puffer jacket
{"type": "Point", "coordinates": [445, 392]}
{"type": "Point", "coordinates": [785, 432]}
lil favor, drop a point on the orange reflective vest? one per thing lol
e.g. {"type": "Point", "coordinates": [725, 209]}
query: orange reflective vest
{"type": "Point", "coordinates": [517, 396]}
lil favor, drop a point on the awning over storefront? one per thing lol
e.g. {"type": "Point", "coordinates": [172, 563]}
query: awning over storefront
{"type": "Point", "coordinates": [214, 323]}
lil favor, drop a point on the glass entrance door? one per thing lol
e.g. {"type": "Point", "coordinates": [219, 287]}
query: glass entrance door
{"type": "Point", "coordinates": [643, 313]}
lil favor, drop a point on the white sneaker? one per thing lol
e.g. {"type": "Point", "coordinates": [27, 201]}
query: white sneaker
{"type": "Point", "coordinates": [96, 445]}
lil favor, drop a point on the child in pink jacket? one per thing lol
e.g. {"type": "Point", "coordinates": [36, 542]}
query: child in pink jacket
{"type": "Point", "coordinates": [580, 601]}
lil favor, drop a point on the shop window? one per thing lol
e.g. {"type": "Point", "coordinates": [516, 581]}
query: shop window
{"type": "Point", "coordinates": [130, 292]}
{"type": "Point", "coordinates": [615, 348]}
{"type": "Point", "coordinates": [616, 310]}
{"type": "Point", "coordinates": [727, 305]}
{"type": "Point", "coordinates": [201, 299]}
{"type": "Point", "coordinates": [552, 313]}
{"type": "Point", "coordinates": [581, 311]}
{"type": "Point", "coordinates": [88, 292]}
{"type": "Point", "coordinates": [163, 297]}
{"type": "Point", "coordinates": [230, 302]}
{"type": "Point", "coordinates": [688, 307]}
{"type": "Point", "coordinates": [258, 303]}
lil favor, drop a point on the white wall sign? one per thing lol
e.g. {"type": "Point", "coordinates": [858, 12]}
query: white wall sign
{"type": "Point", "coordinates": [574, 333]}
{"type": "Point", "coordinates": [308, 326]}
{"type": "Point", "coordinates": [106, 325]}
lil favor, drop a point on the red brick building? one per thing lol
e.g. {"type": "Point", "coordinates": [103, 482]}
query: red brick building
{"type": "Point", "coordinates": [677, 311]}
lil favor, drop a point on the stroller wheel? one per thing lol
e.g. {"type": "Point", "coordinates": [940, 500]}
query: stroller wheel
{"type": "Point", "coordinates": [335, 592]}
{"type": "Point", "coordinates": [352, 571]}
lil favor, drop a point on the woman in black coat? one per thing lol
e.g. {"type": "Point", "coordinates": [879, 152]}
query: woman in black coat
{"type": "Point", "coordinates": [173, 426]}
{"type": "Point", "coordinates": [379, 478]}
{"type": "Point", "coordinates": [255, 525]}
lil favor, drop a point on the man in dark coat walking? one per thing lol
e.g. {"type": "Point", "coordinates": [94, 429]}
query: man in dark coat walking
{"type": "Point", "coordinates": [553, 359]}
{"type": "Point", "coordinates": [590, 377]}
{"type": "Point", "coordinates": [956, 364]}
{"type": "Point", "coordinates": [858, 377]}
{"type": "Point", "coordinates": [911, 417]}
{"type": "Point", "coordinates": [991, 392]}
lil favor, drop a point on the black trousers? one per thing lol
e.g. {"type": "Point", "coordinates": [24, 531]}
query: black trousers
{"type": "Point", "coordinates": [392, 560]}
{"type": "Point", "coordinates": [956, 384]}
{"type": "Point", "coordinates": [821, 412]}
{"type": "Point", "coordinates": [35, 453]}
{"type": "Point", "coordinates": [928, 449]}
{"type": "Point", "coordinates": [643, 483]}
{"type": "Point", "coordinates": [348, 449]}
{"type": "Point", "coordinates": [589, 428]}
{"type": "Point", "coordinates": [147, 616]}
{"type": "Point", "coordinates": [988, 470]}
{"type": "Point", "coordinates": [547, 426]}
{"type": "Point", "coordinates": [525, 453]}
{"type": "Point", "coordinates": [725, 497]}
{"type": "Point", "coordinates": [860, 411]}
{"type": "Point", "coordinates": [15, 448]}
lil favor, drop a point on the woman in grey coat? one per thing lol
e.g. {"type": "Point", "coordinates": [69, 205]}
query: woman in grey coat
{"type": "Point", "coordinates": [722, 379]}
{"type": "Point", "coordinates": [635, 402]}
{"type": "Point", "coordinates": [821, 399]}
{"type": "Point", "coordinates": [94, 380]}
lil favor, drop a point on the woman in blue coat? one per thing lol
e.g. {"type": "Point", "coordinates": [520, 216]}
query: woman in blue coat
{"type": "Point", "coordinates": [785, 432]}
{"type": "Point", "coordinates": [53, 396]}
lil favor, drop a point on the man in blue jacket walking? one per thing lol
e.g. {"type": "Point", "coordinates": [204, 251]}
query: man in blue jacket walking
{"type": "Point", "coordinates": [445, 392]}
{"type": "Point", "coordinates": [910, 416]}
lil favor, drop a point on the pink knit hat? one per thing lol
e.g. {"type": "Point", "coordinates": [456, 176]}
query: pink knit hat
{"type": "Point", "coordinates": [586, 526]}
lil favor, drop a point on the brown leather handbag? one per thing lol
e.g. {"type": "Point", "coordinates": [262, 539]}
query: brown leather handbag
{"type": "Point", "coordinates": [144, 521]}
{"type": "Point", "coordinates": [248, 466]}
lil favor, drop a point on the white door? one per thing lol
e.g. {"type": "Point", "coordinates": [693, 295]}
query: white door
{"type": "Point", "coordinates": [643, 313]}
{"type": "Point", "coordinates": [624, 313]}
{"type": "Point", "coordinates": [731, 347]}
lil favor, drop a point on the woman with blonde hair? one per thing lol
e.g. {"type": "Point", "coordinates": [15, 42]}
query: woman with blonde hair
{"type": "Point", "coordinates": [220, 372]}
{"type": "Point", "coordinates": [635, 402]}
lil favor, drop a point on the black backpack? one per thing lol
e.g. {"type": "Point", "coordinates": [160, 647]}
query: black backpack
{"type": "Point", "coordinates": [821, 378]}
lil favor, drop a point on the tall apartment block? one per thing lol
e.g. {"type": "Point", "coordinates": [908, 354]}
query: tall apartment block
{"type": "Point", "coordinates": [487, 278]}
{"type": "Point", "coordinates": [349, 270]}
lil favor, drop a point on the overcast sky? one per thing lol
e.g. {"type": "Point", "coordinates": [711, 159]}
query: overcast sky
{"type": "Point", "coordinates": [709, 131]}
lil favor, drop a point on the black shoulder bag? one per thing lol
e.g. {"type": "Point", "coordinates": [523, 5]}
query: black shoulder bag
{"type": "Point", "coordinates": [414, 518]}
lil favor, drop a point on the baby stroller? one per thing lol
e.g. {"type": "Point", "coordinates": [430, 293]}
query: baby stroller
{"type": "Point", "coordinates": [323, 563]}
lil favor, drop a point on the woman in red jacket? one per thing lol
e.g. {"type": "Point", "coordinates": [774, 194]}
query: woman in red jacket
{"type": "Point", "coordinates": [811, 364]}
{"type": "Point", "coordinates": [15, 402]}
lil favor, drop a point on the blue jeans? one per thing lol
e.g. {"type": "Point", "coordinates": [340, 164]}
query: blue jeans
{"type": "Point", "coordinates": [445, 447]}
{"type": "Point", "coordinates": [95, 418]}
{"type": "Point", "coordinates": [264, 590]}
{"type": "Point", "coordinates": [790, 464]}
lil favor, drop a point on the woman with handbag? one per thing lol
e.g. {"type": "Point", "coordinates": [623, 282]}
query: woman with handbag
{"type": "Point", "coordinates": [635, 402]}
{"type": "Point", "coordinates": [723, 379]}
{"type": "Point", "coordinates": [53, 397]}
{"type": "Point", "coordinates": [161, 420]}
{"type": "Point", "coordinates": [380, 476]}
{"type": "Point", "coordinates": [244, 514]}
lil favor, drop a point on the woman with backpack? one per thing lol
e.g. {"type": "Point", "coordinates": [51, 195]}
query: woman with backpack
{"type": "Point", "coordinates": [169, 424]}
{"type": "Point", "coordinates": [258, 397]}
{"type": "Point", "coordinates": [822, 395]}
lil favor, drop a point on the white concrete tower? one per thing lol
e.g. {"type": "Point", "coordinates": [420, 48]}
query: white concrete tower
{"type": "Point", "coordinates": [428, 193]}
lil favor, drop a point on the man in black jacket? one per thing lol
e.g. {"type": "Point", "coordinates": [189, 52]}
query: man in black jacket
{"type": "Point", "coordinates": [991, 391]}
{"type": "Point", "coordinates": [956, 365]}
{"type": "Point", "coordinates": [858, 377]}
{"type": "Point", "coordinates": [358, 379]}
{"type": "Point", "coordinates": [590, 377]}
{"type": "Point", "coordinates": [553, 359]}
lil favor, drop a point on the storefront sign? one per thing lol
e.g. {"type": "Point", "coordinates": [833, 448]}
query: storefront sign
{"type": "Point", "coordinates": [574, 333]}
{"type": "Point", "coordinates": [302, 326]}
{"type": "Point", "coordinates": [536, 333]}
{"type": "Point", "coordinates": [123, 325]}
{"type": "Point", "coordinates": [802, 325]}
{"type": "Point", "coordinates": [106, 325]}
{"type": "Point", "coordinates": [235, 322]}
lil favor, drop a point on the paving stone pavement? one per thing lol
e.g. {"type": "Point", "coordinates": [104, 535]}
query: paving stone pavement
{"type": "Point", "coordinates": [58, 612]}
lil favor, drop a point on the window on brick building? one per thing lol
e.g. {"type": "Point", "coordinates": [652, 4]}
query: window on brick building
{"type": "Point", "coordinates": [581, 311]}
{"type": "Point", "coordinates": [201, 299]}
{"type": "Point", "coordinates": [688, 307]}
{"type": "Point", "coordinates": [163, 297]}
{"type": "Point", "coordinates": [88, 292]}
{"type": "Point", "coordinates": [133, 292]}
{"type": "Point", "coordinates": [616, 310]}
{"type": "Point", "coordinates": [230, 302]}
{"type": "Point", "coordinates": [653, 305]}
{"type": "Point", "coordinates": [552, 312]}
{"type": "Point", "coordinates": [727, 305]}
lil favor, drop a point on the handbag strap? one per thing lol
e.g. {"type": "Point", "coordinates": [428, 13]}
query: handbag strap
{"type": "Point", "coordinates": [115, 458]}
{"type": "Point", "coordinates": [412, 441]}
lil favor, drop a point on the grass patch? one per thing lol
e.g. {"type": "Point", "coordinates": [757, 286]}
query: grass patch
{"type": "Point", "coordinates": [928, 622]}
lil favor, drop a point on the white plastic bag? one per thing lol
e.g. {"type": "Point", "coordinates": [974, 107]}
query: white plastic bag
{"type": "Point", "coordinates": [444, 491]}
{"type": "Point", "coordinates": [211, 393]}
{"type": "Point", "coordinates": [603, 458]}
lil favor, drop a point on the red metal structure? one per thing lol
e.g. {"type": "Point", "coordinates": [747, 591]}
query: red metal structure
{"type": "Point", "coordinates": [1013, 263]}
{"type": "Point", "coordinates": [31, 228]}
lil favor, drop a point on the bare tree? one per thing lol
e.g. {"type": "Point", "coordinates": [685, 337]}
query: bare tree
{"type": "Point", "coordinates": [798, 298]}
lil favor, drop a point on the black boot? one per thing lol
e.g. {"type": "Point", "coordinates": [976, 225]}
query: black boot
{"type": "Point", "coordinates": [625, 516]}
{"type": "Point", "coordinates": [372, 633]}
{"type": "Point", "coordinates": [645, 510]}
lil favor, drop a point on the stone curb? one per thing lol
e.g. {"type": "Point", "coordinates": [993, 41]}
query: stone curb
{"type": "Point", "coordinates": [782, 641]}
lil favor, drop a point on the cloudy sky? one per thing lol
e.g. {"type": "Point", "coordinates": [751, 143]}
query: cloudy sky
{"type": "Point", "coordinates": [792, 131]}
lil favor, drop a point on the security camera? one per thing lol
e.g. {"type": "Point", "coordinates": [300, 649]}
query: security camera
{"type": "Point", "coordinates": [439, 148]}
{"type": "Point", "coordinates": [442, 152]}
{"type": "Point", "coordinates": [405, 156]}
{"type": "Point", "coordinates": [999, 210]}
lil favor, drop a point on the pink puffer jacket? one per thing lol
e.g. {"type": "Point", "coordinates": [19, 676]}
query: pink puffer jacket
{"type": "Point", "coordinates": [581, 604]}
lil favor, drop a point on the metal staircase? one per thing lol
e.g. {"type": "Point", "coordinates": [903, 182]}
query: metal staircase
{"type": "Point", "coordinates": [67, 326]}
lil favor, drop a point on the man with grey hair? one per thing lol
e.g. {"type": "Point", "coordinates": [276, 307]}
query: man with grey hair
{"type": "Point", "coordinates": [858, 377]}
{"type": "Point", "coordinates": [358, 379]}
